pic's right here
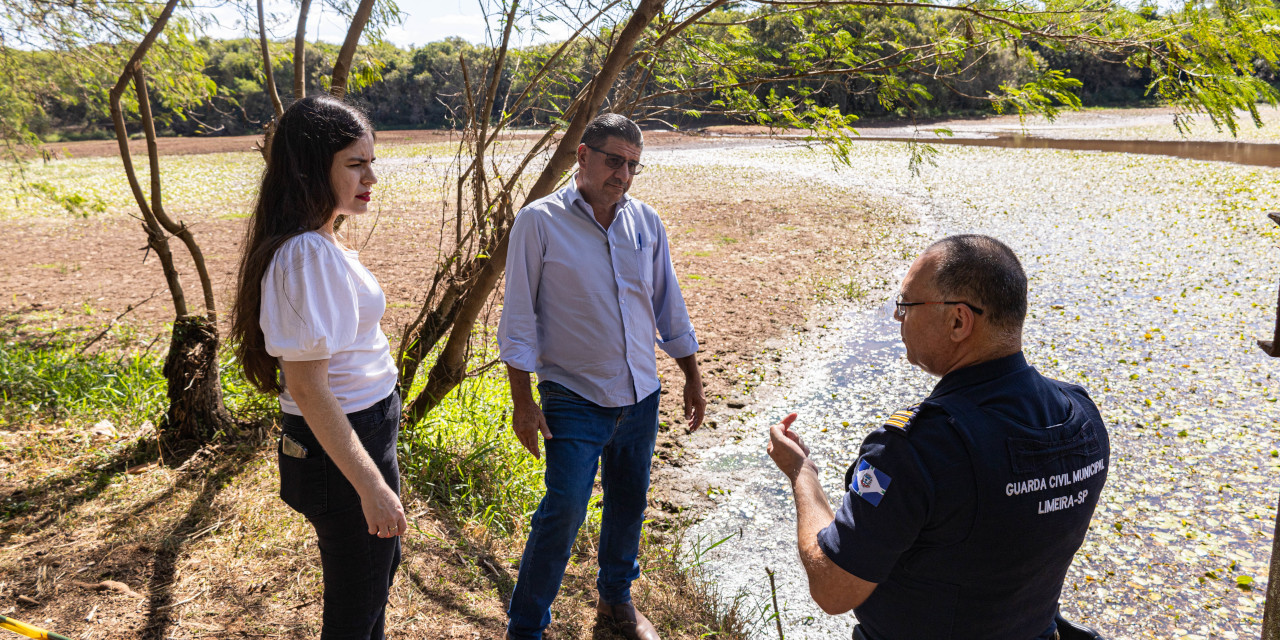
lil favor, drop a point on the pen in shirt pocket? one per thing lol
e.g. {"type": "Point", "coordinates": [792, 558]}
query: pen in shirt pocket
{"type": "Point", "coordinates": [639, 240]}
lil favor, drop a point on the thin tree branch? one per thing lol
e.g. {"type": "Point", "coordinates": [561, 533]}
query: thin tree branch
{"type": "Point", "coordinates": [157, 209]}
{"type": "Point", "coordinates": [342, 67]}
{"type": "Point", "coordinates": [267, 69]}
{"type": "Point", "coordinates": [155, 237]}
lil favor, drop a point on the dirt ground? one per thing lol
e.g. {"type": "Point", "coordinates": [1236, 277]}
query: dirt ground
{"type": "Point", "coordinates": [205, 550]}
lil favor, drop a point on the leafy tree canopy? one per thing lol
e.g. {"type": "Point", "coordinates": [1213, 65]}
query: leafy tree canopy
{"type": "Point", "coordinates": [64, 56]}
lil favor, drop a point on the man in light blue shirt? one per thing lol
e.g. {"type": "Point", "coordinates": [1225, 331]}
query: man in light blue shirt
{"type": "Point", "coordinates": [590, 290]}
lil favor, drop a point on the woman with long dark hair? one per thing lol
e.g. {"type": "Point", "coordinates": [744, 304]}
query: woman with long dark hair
{"type": "Point", "coordinates": [306, 327]}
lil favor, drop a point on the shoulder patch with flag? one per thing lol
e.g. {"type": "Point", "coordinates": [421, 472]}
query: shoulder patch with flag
{"type": "Point", "coordinates": [901, 419]}
{"type": "Point", "coordinates": [870, 483]}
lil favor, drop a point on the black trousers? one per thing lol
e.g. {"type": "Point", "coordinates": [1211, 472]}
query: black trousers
{"type": "Point", "coordinates": [358, 567]}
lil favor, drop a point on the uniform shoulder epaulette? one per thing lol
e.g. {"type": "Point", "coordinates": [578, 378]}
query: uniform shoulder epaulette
{"type": "Point", "coordinates": [900, 421]}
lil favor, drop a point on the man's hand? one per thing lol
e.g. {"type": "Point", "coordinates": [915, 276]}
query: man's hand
{"type": "Point", "coordinates": [527, 422]}
{"type": "Point", "coordinates": [787, 449]}
{"type": "Point", "coordinates": [695, 403]}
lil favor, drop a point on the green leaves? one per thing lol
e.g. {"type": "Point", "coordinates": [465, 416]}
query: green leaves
{"type": "Point", "coordinates": [74, 203]}
{"type": "Point", "coordinates": [1046, 95]}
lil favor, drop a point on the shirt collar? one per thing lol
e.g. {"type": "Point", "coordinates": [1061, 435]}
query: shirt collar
{"type": "Point", "coordinates": [979, 373]}
{"type": "Point", "coordinates": [573, 196]}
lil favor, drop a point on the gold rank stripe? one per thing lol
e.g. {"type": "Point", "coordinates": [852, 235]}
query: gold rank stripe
{"type": "Point", "coordinates": [900, 419]}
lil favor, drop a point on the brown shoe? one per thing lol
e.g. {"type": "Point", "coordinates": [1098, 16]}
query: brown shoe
{"type": "Point", "coordinates": [627, 620]}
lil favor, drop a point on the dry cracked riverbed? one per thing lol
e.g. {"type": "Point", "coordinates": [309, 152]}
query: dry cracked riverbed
{"type": "Point", "coordinates": [1150, 278]}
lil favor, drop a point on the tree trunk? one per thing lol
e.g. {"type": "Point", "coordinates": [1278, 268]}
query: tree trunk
{"type": "Point", "coordinates": [342, 67]}
{"type": "Point", "coordinates": [300, 53]}
{"type": "Point", "coordinates": [268, 70]}
{"type": "Point", "coordinates": [196, 411]}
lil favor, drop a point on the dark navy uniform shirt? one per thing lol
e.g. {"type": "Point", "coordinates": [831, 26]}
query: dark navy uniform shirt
{"type": "Point", "coordinates": [968, 508]}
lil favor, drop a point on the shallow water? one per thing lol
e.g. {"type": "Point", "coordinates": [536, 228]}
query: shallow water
{"type": "Point", "coordinates": [1150, 279]}
{"type": "Point", "coordinates": [1262, 154]}
{"type": "Point", "coordinates": [1250, 153]}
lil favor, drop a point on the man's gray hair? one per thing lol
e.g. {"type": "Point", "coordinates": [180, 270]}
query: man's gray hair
{"type": "Point", "coordinates": [612, 125]}
{"type": "Point", "coordinates": [983, 271]}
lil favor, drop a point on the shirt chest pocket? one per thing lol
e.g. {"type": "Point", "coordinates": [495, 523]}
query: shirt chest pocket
{"type": "Point", "coordinates": [642, 259]}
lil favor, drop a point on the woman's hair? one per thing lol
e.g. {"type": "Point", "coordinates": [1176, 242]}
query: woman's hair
{"type": "Point", "coordinates": [296, 196]}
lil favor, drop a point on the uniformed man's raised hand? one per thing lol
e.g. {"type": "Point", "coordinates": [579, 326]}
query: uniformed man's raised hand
{"type": "Point", "coordinates": [786, 448]}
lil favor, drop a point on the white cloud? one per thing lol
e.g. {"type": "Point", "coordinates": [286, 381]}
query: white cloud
{"type": "Point", "coordinates": [424, 21]}
{"type": "Point", "coordinates": [422, 25]}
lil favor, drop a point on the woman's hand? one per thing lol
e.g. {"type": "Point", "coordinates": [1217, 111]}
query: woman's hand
{"type": "Point", "coordinates": [383, 512]}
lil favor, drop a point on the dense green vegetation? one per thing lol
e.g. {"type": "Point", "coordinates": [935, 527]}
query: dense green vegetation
{"type": "Point", "coordinates": [424, 87]}
{"type": "Point", "coordinates": [464, 458]}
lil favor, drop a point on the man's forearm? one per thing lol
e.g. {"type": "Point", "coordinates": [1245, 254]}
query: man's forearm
{"type": "Point", "coordinates": [813, 514]}
{"type": "Point", "coordinates": [689, 366]}
{"type": "Point", "coordinates": [832, 588]}
{"type": "Point", "coordinates": [521, 386]}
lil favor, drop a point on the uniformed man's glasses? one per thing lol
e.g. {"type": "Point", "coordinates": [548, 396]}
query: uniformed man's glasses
{"type": "Point", "coordinates": [900, 307]}
{"type": "Point", "coordinates": [615, 161]}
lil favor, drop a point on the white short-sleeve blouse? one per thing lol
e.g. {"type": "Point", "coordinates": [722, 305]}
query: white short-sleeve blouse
{"type": "Point", "coordinates": [319, 302]}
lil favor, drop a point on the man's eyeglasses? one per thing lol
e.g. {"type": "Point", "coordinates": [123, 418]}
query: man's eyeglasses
{"type": "Point", "coordinates": [900, 307]}
{"type": "Point", "coordinates": [615, 161]}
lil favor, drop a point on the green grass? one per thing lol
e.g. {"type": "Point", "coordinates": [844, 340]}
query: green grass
{"type": "Point", "coordinates": [45, 379]}
{"type": "Point", "coordinates": [464, 459]}
{"type": "Point", "coordinates": [195, 186]}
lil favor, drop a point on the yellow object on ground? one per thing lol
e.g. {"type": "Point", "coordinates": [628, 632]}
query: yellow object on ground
{"type": "Point", "coordinates": [29, 630]}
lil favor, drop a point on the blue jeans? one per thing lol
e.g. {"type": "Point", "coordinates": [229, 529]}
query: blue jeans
{"type": "Point", "coordinates": [621, 440]}
{"type": "Point", "coordinates": [358, 567]}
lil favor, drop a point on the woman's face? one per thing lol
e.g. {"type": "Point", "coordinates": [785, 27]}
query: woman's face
{"type": "Point", "coordinates": [352, 176]}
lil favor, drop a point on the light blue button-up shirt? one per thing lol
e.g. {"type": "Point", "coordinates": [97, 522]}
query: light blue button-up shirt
{"type": "Point", "coordinates": [584, 307]}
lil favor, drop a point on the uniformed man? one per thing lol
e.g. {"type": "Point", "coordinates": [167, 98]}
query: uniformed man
{"type": "Point", "coordinates": [963, 512]}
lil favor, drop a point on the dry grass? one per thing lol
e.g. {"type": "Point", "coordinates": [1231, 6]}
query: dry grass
{"type": "Point", "coordinates": [213, 553]}
{"type": "Point", "coordinates": [110, 537]}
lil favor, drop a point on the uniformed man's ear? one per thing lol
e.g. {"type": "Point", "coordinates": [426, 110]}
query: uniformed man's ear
{"type": "Point", "coordinates": [582, 153]}
{"type": "Point", "coordinates": [962, 322]}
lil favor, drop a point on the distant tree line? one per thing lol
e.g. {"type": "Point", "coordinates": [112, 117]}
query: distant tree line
{"type": "Point", "coordinates": [426, 86]}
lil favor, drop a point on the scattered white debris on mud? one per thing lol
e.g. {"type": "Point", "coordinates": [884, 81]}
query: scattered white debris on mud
{"type": "Point", "coordinates": [1150, 279]}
